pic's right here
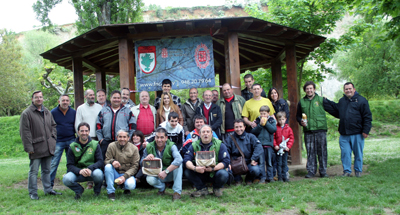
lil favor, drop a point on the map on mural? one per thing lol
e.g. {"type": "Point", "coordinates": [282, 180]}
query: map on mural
{"type": "Point", "coordinates": [187, 62]}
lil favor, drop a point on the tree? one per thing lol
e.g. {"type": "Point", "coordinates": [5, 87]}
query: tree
{"type": "Point", "coordinates": [92, 13]}
{"type": "Point", "coordinates": [312, 16]}
{"type": "Point", "coordinates": [13, 90]}
{"type": "Point", "coordinates": [379, 9]}
{"type": "Point", "coordinates": [372, 64]}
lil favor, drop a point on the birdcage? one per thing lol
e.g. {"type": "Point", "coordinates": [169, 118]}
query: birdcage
{"type": "Point", "coordinates": [205, 158]}
{"type": "Point", "coordinates": [152, 167]}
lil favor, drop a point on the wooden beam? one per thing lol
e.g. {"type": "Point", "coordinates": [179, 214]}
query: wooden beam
{"type": "Point", "coordinates": [217, 24]}
{"type": "Point", "coordinates": [276, 31]}
{"type": "Point", "coordinates": [246, 24]}
{"type": "Point", "coordinates": [88, 64]}
{"type": "Point", "coordinates": [232, 61]}
{"type": "Point", "coordinates": [100, 80]}
{"type": "Point", "coordinates": [263, 38]}
{"type": "Point", "coordinates": [174, 33]}
{"type": "Point", "coordinates": [189, 26]}
{"type": "Point", "coordinates": [276, 70]}
{"type": "Point", "coordinates": [98, 47]}
{"type": "Point", "coordinates": [93, 38]}
{"type": "Point", "coordinates": [291, 67]}
{"type": "Point", "coordinates": [106, 33]}
{"type": "Point", "coordinates": [160, 28]}
{"type": "Point", "coordinates": [126, 65]}
{"type": "Point", "coordinates": [132, 29]}
{"type": "Point", "coordinates": [257, 65]}
{"type": "Point", "coordinates": [281, 55]}
{"type": "Point", "coordinates": [77, 69]}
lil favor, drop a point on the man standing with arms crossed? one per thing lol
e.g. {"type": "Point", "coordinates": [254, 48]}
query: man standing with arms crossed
{"type": "Point", "coordinates": [38, 133]}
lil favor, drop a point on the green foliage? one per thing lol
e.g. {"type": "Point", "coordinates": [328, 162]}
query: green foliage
{"type": "Point", "coordinates": [312, 16]}
{"type": "Point", "coordinates": [92, 13]}
{"type": "Point", "coordinates": [379, 10]}
{"type": "Point", "coordinates": [10, 141]}
{"type": "Point", "coordinates": [13, 87]}
{"type": "Point", "coordinates": [371, 64]}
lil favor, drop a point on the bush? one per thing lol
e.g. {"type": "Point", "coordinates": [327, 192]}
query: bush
{"type": "Point", "coordinates": [10, 141]}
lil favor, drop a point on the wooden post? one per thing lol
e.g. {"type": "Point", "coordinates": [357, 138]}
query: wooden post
{"type": "Point", "coordinates": [276, 70]}
{"type": "Point", "coordinates": [232, 63]}
{"type": "Point", "coordinates": [222, 80]}
{"type": "Point", "coordinates": [77, 69]}
{"type": "Point", "coordinates": [100, 80]}
{"type": "Point", "coordinates": [294, 100]}
{"type": "Point", "coordinates": [126, 65]}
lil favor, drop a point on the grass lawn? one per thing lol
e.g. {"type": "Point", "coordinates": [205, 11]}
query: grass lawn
{"type": "Point", "coordinates": [376, 192]}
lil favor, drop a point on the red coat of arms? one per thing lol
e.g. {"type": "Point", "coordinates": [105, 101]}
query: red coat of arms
{"type": "Point", "coordinates": [147, 58]}
{"type": "Point", "coordinates": [202, 56]}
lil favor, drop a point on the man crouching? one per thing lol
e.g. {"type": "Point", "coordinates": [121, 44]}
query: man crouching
{"type": "Point", "coordinates": [122, 162]}
{"type": "Point", "coordinates": [166, 150]}
{"type": "Point", "coordinates": [200, 175]}
{"type": "Point", "coordinates": [84, 162]}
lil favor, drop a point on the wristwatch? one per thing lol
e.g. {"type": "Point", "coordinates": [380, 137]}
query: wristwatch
{"type": "Point", "coordinates": [166, 171]}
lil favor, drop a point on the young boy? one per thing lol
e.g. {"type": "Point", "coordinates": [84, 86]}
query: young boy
{"type": "Point", "coordinates": [284, 130]}
{"type": "Point", "coordinates": [265, 129]}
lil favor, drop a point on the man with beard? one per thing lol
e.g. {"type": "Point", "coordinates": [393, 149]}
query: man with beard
{"type": "Point", "coordinates": [84, 162]}
{"type": "Point", "coordinates": [64, 116]}
{"type": "Point", "coordinates": [126, 98]}
{"type": "Point", "coordinates": [87, 112]}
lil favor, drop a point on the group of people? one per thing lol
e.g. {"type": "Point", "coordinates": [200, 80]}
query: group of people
{"type": "Point", "coordinates": [106, 142]}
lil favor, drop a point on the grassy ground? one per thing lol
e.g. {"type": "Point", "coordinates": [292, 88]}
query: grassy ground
{"type": "Point", "coordinates": [377, 192]}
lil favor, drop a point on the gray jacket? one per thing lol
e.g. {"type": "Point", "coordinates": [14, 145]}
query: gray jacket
{"type": "Point", "coordinates": [108, 123]}
{"type": "Point", "coordinates": [188, 112]}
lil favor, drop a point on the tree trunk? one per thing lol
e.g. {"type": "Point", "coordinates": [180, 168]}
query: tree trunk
{"type": "Point", "coordinates": [105, 17]}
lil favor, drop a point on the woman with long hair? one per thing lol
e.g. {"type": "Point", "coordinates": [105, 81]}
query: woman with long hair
{"type": "Point", "coordinates": [279, 104]}
{"type": "Point", "coordinates": [167, 106]}
{"type": "Point", "coordinates": [139, 141]}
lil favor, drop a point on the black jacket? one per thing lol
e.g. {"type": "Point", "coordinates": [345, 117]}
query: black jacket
{"type": "Point", "coordinates": [214, 117]}
{"type": "Point", "coordinates": [248, 143]}
{"type": "Point", "coordinates": [354, 114]}
{"type": "Point", "coordinates": [281, 105]}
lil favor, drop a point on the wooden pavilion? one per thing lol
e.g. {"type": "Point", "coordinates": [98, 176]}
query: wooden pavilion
{"type": "Point", "coordinates": [240, 44]}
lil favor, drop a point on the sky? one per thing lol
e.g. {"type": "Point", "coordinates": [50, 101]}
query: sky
{"type": "Point", "coordinates": [18, 15]}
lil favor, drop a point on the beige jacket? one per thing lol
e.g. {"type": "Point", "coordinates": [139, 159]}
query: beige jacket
{"type": "Point", "coordinates": [128, 156]}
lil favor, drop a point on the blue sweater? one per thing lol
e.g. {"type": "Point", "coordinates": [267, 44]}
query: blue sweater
{"type": "Point", "coordinates": [65, 124]}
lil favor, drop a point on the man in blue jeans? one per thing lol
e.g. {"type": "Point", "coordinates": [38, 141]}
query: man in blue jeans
{"type": "Point", "coordinates": [200, 175]}
{"type": "Point", "coordinates": [354, 126]}
{"type": "Point", "coordinates": [122, 163]}
{"type": "Point", "coordinates": [166, 150]}
{"type": "Point", "coordinates": [84, 162]}
{"type": "Point", "coordinates": [64, 116]}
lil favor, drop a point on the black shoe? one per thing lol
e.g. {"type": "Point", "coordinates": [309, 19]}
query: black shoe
{"type": "Point", "coordinates": [34, 196]}
{"type": "Point", "coordinates": [111, 196]}
{"type": "Point", "coordinates": [309, 175]}
{"type": "Point", "coordinates": [127, 192]}
{"type": "Point", "coordinates": [96, 194]}
{"type": "Point", "coordinates": [346, 174]}
{"type": "Point", "coordinates": [79, 195]}
{"type": "Point", "coordinates": [323, 175]}
{"type": "Point", "coordinates": [286, 180]}
{"type": "Point", "coordinates": [280, 180]}
{"type": "Point", "coordinates": [358, 174]}
{"type": "Point", "coordinates": [53, 193]}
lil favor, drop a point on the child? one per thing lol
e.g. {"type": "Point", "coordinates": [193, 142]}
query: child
{"type": "Point", "coordinates": [284, 130]}
{"type": "Point", "coordinates": [265, 129]}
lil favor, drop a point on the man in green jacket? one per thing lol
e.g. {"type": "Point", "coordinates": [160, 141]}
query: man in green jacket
{"type": "Point", "coordinates": [164, 149]}
{"type": "Point", "coordinates": [314, 127]}
{"type": "Point", "coordinates": [84, 162]}
{"type": "Point", "coordinates": [231, 108]}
